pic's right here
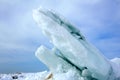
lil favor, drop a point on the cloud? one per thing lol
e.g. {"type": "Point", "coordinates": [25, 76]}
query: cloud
{"type": "Point", "coordinates": [18, 32]}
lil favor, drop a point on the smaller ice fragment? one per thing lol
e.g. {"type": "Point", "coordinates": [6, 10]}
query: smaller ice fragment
{"type": "Point", "coordinates": [54, 62]}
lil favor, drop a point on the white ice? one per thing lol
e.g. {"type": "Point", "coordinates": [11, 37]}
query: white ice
{"type": "Point", "coordinates": [72, 46]}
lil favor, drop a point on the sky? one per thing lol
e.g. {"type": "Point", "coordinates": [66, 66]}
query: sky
{"type": "Point", "coordinates": [20, 36]}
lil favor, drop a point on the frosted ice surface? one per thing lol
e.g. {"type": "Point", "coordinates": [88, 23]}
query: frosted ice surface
{"type": "Point", "coordinates": [75, 51]}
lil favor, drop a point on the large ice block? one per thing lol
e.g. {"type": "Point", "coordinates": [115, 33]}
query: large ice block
{"type": "Point", "coordinates": [72, 45]}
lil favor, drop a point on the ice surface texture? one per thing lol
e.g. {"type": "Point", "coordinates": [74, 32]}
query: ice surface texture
{"type": "Point", "coordinates": [71, 51]}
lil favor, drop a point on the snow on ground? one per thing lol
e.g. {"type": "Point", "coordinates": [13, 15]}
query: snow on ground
{"type": "Point", "coordinates": [24, 76]}
{"type": "Point", "coordinates": [70, 75]}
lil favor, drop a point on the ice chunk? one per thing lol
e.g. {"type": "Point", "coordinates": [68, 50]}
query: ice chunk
{"type": "Point", "coordinates": [53, 61]}
{"type": "Point", "coordinates": [57, 64]}
{"type": "Point", "coordinates": [73, 47]}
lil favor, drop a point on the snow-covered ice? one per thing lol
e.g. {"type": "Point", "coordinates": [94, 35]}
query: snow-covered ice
{"type": "Point", "coordinates": [25, 76]}
{"type": "Point", "coordinates": [71, 50]}
{"type": "Point", "coordinates": [45, 75]}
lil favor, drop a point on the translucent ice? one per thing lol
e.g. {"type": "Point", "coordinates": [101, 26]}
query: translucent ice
{"type": "Point", "coordinates": [54, 62]}
{"type": "Point", "coordinates": [73, 49]}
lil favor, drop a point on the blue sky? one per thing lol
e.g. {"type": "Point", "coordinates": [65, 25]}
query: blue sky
{"type": "Point", "coordinates": [98, 20]}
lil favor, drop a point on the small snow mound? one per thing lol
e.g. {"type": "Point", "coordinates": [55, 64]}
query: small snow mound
{"type": "Point", "coordinates": [115, 62]}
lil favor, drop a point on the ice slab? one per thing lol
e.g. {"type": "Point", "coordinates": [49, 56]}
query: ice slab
{"type": "Point", "coordinates": [73, 47]}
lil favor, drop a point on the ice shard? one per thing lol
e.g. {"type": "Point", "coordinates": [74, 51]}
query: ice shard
{"type": "Point", "coordinates": [57, 64]}
{"type": "Point", "coordinates": [52, 60]}
{"type": "Point", "coordinates": [72, 45]}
